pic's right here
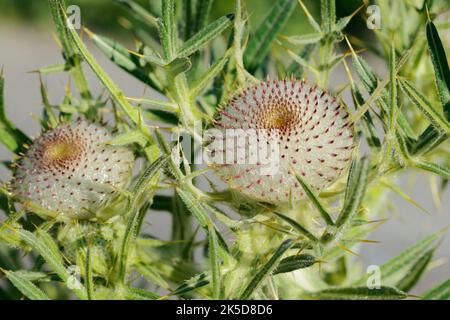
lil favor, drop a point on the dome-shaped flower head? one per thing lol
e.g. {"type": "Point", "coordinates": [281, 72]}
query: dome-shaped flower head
{"type": "Point", "coordinates": [272, 131]}
{"type": "Point", "coordinates": [72, 170]}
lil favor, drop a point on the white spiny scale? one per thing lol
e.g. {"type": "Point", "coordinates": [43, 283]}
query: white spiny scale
{"type": "Point", "coordinates": [71, 170]}
{"type": "Point", "coordinates": [313, 132]}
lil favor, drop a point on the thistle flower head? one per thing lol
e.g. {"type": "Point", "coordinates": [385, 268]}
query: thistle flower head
{"type": "Point", "coordinates": [71, 170]}
{"type": "Point", "coordinates": [301, 128]}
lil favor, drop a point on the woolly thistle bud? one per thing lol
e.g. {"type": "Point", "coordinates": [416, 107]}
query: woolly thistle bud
{"type": "Point", "coordinates": [301, 128]}
{"type": "Point", "coordinates": [71, 170]}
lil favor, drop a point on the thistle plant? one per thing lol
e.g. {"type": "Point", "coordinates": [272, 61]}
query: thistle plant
{"type": "Point", "coordinates": [296, 172]}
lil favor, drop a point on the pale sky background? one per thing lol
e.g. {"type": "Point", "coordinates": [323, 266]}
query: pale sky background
{"type": "Point", "coordinates": [23, 49]}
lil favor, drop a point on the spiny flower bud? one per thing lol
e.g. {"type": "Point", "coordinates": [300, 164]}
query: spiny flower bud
{"type": "Point", "coordinates": [306, 131]}
{"type": "Point", "coordinates": [71, 170]}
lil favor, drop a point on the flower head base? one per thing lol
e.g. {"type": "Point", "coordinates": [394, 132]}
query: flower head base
{"type": "Point", "coordinates": [303, 129]}
{"type": "Point", "coordinates": [70, 170]}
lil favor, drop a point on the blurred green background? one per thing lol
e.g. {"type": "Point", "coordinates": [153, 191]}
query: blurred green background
{"type": "Point", "coordinates": [103, 15]}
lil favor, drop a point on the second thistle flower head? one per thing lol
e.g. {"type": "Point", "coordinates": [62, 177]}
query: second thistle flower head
{"type": "Point", "coordinates": [298, 127]}
{"type": "Point", "coordinates": [71, 170]}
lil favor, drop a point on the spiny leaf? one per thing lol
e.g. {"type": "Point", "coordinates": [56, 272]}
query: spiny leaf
{"type": "Point", "coordinates": [140, 12]}
{"type": "Point", "coordinates": [295, 262]}
{"type": "Point", "coordinates": [132, 136]}
{"type": "Point", "coordinates": [360, 293]}
{"type": "Point", "coordinates": [440, 64]}
{"type": "Point", "coordinates": [168, 30]}
{"type": "Point", "coordinates": [440, 292]}
{"type": "Point", "coordinates": [311, 195]}
{"type": "Point", "coordinates": [428, 140]}
{"type": "Point", "coordinates": [134, 220]}
{"type": "Point", "coordinates": [123, 58]}
{"type": "Point", "coordinates": [259, 44]}
{"type": "Point", "coordinates": [69, 49]}
{"type": "Point", "coordinates": [204, 35]}
{"type": "Point", "coordinates": [215, 264]}
{"type": "Point", "coordinates": [392, 88]}
{"type": "Point", "coordinates": [48, 249]}
{"type": "Point", "coordinates": [415, 272]}
{"type": "Point", "coordinates": [203, 10]}
{"type": "Point", "coordinates": [140, 294]}
{"type": "Point", "coordinates": [10, 136]}
{"type": "Point", "coordinates": [296, 69]}
{"type": "Point", "coordinates": [194, 206]}
{"type": "Point", "coordinates": [356, 186]}
{"type": "Point", "coordinates": [190, 285]}
{"type": "Point", "coordinates": [398, 267]}
{"type": "Point", "coordinates": [304, 39]}
{"type": "Point", "coordinates": [25, 286]}
{"type": "Point", "coordinates": [266, 270]}
{"type": "Point", "coordinates": [202, 82]}
{"type": "Point", "coordinates": [425, 106]}
{"type": "Point", "coordinates": [328, 15]}
{"type": "Point", "coordinates": [157, 104]}
{"type": "Point", "coordinates": [368, 125]}
{"type": "Point", "coordinates": [432, 167]}
{"type": "Point", "coordinates": [302, 230]}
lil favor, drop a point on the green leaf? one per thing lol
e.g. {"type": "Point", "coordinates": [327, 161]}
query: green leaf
{"type": "Point", "coordinates": [168, 30]}
{"type": "Point", "coordinates": [88, 277]}
{"type": "Point", "coordinates": [440, 292]}
{"type": "Point", "coordinates": [205, 79]}
{"type": "Point", "coordinates": [123, 58]}
{"type": "Point", "coordinates": [440, 64]}
{"type": "Point", "coordinates": [312, 196]}
{"type": "Point", "coordinates": [302, 230]}
{"type": "Point", "coordinates": [44, 244]}
{"type": "Point", "coordinates": [204, 35]}
{"type": "Point", "coordinates": [259, 44]}
{"type": "Point", "coordinates": [157, 104]}
{"type": "Point", "coordinates": [328, 15]}
{"type": "Point", "coordinates": [431, 137]}
{"type": "Point", "coordinates": [215, 264]}
{"type": "Point", "coordinates": [400, 266]}
{"type": "Point", "coordinates": [194, 206]}
{"type": "Point", "coordinates": [428, 140]}
{"type": "Point", "coordinates": [132, 136]}
{"type": "Point", "coordinates": [25, 286]}
{"type": "Point", "coordinates": [295, 262]}
{"type": "Point", "coordinates": [296, 69]}
{"type": "Point", "coordinates": [368, 126]}
{"type": "Point", "coordinates": [114, 90]}
{"type": "Point", "coordinates": [365, 73]}
{"type": "Point", "coordinates": [191, 285]}
{"type": "Point", "coordinates": [356, 187]}
{"type": "Point", "coordinates": [140, 12]}
{"type": "Point", "coordinates": [392, 88]}
{"type": "Point", "coordinates": [266, 270]}
{"type": "Point", "coordinates": [415, 272]}
{"type": "Point", "coordinates": [151, 273]}
{"type": "Point", "coordinates": [140, 294]}
{"type": "Point", "coordinates": [304, 39]}
{"type": "Point", "coordinates": [432, 167]}
{"type": "Point", "coordinates": [57, 9]}
{"type": "Point", "coordinates": [425, 107]}
{"type": "Point", "coordinates": [359, 293]}
{"type": "Point", "coordinates": [134, 219]}
{"type": "Point", "coordinates": [10, 136]}
{"type": "Point", "coordinates": [177, 66]}
{"type": "Point", "coordinates": [203, 10]}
